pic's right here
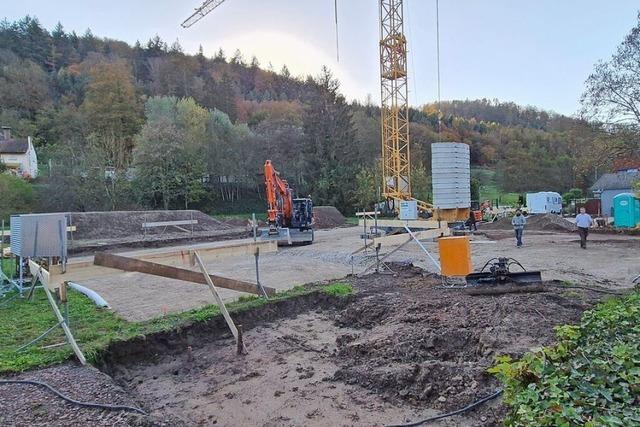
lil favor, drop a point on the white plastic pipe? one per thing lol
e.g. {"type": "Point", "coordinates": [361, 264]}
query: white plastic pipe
{"type": "Point", "coordinates": [92, 295]}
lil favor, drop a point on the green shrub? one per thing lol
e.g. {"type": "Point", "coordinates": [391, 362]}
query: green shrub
{"type": "Point", "coordinates": [338, 289]}
{"type": "Point", "coordinates": [16, 196]}
{"type": "Point", "coordinates": [591, 377]}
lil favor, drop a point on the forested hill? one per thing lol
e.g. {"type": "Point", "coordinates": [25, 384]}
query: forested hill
{"type": "Point", "coordinates": [189, 130]}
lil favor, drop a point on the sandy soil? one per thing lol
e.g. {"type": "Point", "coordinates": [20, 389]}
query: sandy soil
{"type": "Point", "coordinates": [611, 260]}
{"type": "Point", "coordinates": [404, 349]}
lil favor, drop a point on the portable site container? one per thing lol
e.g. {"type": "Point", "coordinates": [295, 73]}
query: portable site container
{"type": "Point", "coordinates": [626, 210]}
{"type": "Point", "coordinates": [544, 202]}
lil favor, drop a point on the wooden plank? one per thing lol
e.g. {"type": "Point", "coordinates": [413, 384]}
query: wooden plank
{"type": "Point", "coordinates": [178, 257]}
{"type": "Point", "coordinates": [169, 223]}
{"type": "Point", "coordinates": [216, 295]}
{"type": "Point", "coordinates": [397, 223]}
{"type": "Point", "coordinates": [372, 213]}
{"type": "Point", "coordinates": [40, 274]}
{"type": "Point", "coordinates": [147, 267]}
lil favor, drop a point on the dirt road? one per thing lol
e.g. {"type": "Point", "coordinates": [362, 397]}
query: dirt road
{"type": "Point", "coordinates": [610, 261]}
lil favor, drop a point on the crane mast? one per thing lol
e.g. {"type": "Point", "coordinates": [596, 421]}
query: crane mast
{"type": "Point", "coordinates": [394, 111]}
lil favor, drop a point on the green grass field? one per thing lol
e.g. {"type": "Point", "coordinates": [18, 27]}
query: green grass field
{"type": "Point", "coordinates": [489, 189]}
{"type": "Point", "coordinates": [94, 328]}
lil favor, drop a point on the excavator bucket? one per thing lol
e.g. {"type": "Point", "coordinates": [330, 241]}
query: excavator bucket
{"type": "Point", "coordinates": [289, 236]}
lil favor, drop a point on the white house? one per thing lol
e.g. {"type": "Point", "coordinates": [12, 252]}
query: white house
{"type": "Point", "coordinates": [18, 155]}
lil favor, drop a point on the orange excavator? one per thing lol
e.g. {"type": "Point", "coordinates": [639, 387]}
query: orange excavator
{"type": "Point", "coordinates": [290, 219]}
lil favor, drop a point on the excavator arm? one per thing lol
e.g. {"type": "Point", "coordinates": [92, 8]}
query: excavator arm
{"type": "Point", "coordinates": [279, 198]}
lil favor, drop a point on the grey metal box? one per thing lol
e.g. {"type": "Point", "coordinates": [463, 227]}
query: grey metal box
{"type": "Point", "coordinates": [39, 235]}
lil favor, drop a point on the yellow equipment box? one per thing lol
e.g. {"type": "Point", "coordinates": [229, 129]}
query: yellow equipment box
{"type": "Point", "coordinates": [455, 256]}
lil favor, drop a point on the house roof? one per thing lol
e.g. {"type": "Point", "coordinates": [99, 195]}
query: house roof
{"type": "Point", "coordinates": [616, 181]}
{"type": "Point", "coordinates": [14, 146]}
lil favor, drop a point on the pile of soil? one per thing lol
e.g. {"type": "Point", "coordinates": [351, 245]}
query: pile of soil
{"type": "Point", "coordinates": [115, 224]}
{"type": "Point", "coordinates": [544, 222]}
{"type": "Point", "coordinates": [428, 346]}
{"type": "Point", "coordinates": [327, 217]}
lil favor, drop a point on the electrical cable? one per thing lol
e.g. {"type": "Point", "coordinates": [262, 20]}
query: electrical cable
{"type": "Point", "coordinates": [587, 288]}
{"type": "Point", "coordinates": [456, 412]}
{"type": "Point", "coordinates": [335, 12]}
{"type": "Point", "coordinates": [76, 402]}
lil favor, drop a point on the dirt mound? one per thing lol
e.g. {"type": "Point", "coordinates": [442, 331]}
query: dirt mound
{"type": "Point", "coordinates": [421, 344]}
{"type": "Point", "coordinates": [327, 217]}
{"type": "Point", "coordinates": [543, 222]}
{"type": "Point", "coordinates": [118, 224]}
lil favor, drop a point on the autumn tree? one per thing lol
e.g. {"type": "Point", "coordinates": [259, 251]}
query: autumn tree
{"type": "Point", "coordinates": [113, 110]}
{"type": "Point", "coordinates": [612, 97]}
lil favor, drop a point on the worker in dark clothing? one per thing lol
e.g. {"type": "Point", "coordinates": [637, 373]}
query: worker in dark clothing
{"type": "Point", "coordinates": [472, 221]}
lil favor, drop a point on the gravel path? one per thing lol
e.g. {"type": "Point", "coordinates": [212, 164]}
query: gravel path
{"type": "Point", "coordinates": [28, 405]}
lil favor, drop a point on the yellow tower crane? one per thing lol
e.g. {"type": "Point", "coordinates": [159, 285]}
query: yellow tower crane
{"type": "Point", "coordinates": [394, 109]}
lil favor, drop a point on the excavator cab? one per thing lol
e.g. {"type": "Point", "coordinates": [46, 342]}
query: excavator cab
{"type": "Point", "coordinates": [302, 218]}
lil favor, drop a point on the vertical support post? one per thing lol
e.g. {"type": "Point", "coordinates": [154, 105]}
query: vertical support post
{"type": "Point", "coordinates": [240, 350]}
{"type": "Point", "coordinates": [254, 226]}
{"type": "Point", "coordinates": [21, 278]}
{"type": "Point", "coordinates": [2, 243]}
{"type": "Point", "coordinates": [378, 257]}
{"type": "Point", "coordinates": [364, 217]}
{"type": "Point", "coordinates": [257, 256]}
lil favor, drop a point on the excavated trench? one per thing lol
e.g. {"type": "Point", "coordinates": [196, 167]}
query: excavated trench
{"type": "Point", "coordinates": [402, 348]}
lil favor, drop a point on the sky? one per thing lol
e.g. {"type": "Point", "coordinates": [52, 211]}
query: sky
{"type": "Point", "coordinates": [532, 52]}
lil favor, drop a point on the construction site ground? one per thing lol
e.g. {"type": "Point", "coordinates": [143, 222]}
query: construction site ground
{"type": "Point", "coordinates": [403, 347]}
{"type": "Point", "coordinates": [400, 349]}
{"type": "Point", "coordinates": [610, 260]}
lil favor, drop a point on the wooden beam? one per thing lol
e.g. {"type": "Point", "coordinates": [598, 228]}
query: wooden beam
{"type": "Point", "coordinates": [43, 275]}
{"type": "Point", "coordinates": [169, 223]}
{"type": "Point", "coordinates": [147, 267]}
{"type": "Point", "coordinates": [178, 257]}
{"type": "Point", "coordinates": [401, 238]}
{"type": "Point", "coordinates": [398, 223]}
{"type": "Point", "coordinates": [216, 295]}
{"type": "Point", "coordinates": [372, 213]}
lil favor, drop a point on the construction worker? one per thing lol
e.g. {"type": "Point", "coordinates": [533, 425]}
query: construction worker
{"type": "Point", "coordinates": [471, 222]}
{"type": "Point", "coordinates": [583, 222]}
{"type": "Point", "coordinates": [518, 223]}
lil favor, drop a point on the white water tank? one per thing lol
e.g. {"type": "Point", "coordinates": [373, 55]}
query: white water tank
{"type": "Point", "coordinates": [450, 175]}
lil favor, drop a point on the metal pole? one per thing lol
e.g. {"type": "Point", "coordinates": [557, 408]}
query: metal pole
{"type": "Point", "coordinates": [257, 256]}
{"type": "Point", "coordinates": [364, 217]}
{"type": "Point", "coordinates": [254, 225]}
{"type": "Point", "coordinates": [436, 263]}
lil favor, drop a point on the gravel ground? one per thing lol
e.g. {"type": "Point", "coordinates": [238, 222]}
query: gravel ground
{"type": "Point", "coordinates": [29, 405]}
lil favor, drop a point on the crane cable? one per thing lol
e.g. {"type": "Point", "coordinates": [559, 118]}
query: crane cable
{"type": "Point", "coordinates": [438, 63]}
{"type": "Point", "coordinates": [335, 13]}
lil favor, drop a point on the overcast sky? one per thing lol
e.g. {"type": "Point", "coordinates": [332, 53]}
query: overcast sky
{"type": "Point", "coordinates": [533, 52]}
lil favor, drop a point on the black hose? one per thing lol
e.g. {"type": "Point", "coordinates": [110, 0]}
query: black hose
{"type": "Point", "coordinates": [588, 288]}
{"type": "Point", "coordinates": [450, 414]}
{"type": "Point", "coordinates": [76, 402]}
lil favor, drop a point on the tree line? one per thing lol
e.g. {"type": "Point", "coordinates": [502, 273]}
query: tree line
{"type": "Point", "coordinates": [150, 126]}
